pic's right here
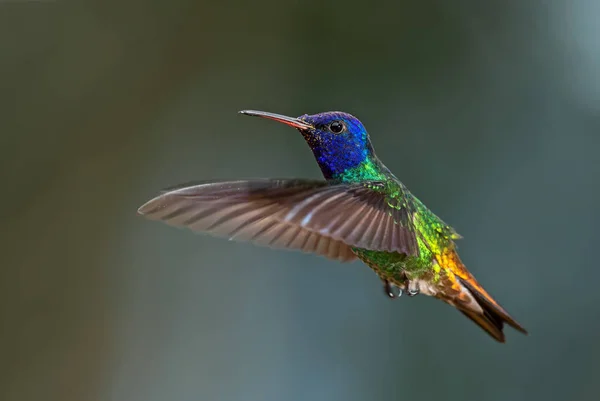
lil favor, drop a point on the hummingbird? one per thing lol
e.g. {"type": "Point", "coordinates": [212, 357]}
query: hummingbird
{"type": "Point", "coordinates": [361, 210]}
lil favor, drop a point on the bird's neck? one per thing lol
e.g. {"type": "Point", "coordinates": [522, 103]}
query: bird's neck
{"type": "Point", "coordinates": [369, 168]}
{"type": "Point", "coordinates": [346, 160]}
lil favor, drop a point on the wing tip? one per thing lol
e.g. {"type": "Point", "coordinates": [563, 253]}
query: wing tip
{"type": "Point", "coordinates": [153, 205]}
{"type": "Point", "coordinates": [149, 207]}
{"type": "Point", "coordinates": [146, 208]}
{"type": "Point", "coordinates": [143, 210]}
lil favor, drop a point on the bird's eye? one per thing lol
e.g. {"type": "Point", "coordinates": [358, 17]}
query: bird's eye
{"type": "Point", "coordinates": [337, 127]}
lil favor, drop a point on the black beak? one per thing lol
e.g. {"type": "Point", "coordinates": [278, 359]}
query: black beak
{"type": "Point", "coordinates": [291, 121]}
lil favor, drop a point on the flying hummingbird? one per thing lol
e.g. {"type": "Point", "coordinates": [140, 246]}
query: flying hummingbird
{"type": "Point", "coordinates": [360, 211]}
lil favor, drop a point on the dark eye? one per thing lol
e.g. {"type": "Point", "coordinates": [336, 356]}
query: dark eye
{"type": "Point", "coordinates": [337, 127]}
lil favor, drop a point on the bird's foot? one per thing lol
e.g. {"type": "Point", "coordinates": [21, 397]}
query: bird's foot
{"type": "Point", "coordinates": [391, 289]}
{"type": "Point", "coordinates": [412, 288]}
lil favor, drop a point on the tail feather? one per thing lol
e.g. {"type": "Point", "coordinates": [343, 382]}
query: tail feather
{"type": "Point", "coordinates": [487, 322]}
{"type": "Point", "coordinates": [461, 290]}
{"type": "Point", "coordinates": [492, 316]}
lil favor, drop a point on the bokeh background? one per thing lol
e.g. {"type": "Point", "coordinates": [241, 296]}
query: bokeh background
{"type": "Point", "coordinates": [488, 111]}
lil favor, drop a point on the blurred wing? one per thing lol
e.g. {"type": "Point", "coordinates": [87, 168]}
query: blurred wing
{"type": "Point", "coordinates": [312, 216]}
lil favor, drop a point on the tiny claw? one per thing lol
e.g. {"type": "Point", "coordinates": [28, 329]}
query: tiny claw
{"type": "Point", "coordinates": [412, 288]}
{"type": "Point", "coordinates": [391, 290]}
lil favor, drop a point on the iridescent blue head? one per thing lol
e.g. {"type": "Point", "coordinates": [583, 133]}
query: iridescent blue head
{"type": "Point", "coordinates": [338, 140]}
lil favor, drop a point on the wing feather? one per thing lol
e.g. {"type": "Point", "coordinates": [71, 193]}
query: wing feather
{"type": "Point", "coordinates": [312, 216]}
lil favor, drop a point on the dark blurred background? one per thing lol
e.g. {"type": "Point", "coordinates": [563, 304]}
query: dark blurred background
{"type": "Point", "coordinates": [488, 111]}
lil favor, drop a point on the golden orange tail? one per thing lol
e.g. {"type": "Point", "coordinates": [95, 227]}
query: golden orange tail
{"type": "Point", "coordinates": [468, 296]}
{"type": "Point", "coordinates": [491, 316]}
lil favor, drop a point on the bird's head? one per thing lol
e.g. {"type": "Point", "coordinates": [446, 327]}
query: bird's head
{"type": "Point", "coordinates": [338, 140]}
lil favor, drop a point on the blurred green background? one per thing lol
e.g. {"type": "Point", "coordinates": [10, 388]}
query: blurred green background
{"type": "Point", "coordinates": [488, 111]}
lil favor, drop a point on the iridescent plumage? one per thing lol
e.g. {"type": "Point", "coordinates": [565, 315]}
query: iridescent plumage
{"type": "Point", "coordinates": [360, 211]}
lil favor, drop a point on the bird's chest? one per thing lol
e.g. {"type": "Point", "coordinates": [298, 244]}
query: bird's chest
{"type": "Point", "coordinates": [393, 266]}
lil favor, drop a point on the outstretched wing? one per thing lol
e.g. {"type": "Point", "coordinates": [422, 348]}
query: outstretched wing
{"type": "Point", "coordinates": [312, 216]}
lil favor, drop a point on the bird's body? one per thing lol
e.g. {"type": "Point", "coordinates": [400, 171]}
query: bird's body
{"type": "Point", "coordinates": [361, 211]}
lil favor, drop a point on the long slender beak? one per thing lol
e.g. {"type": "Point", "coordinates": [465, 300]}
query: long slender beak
{"type": "Point", "coordinates": [291, 121]}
